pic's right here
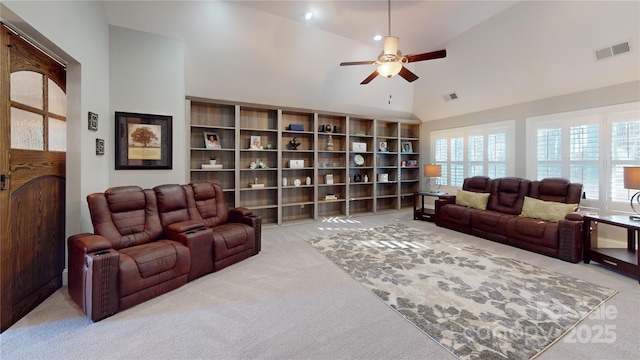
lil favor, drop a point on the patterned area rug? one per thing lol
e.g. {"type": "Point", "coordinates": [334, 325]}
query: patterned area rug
{"type": "Point", "coordinates": [476, 304]}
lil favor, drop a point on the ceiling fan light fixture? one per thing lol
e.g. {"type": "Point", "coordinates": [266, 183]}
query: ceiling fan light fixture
{"type": "Point", "coordinates": [390, 46]}
{"type": "Point", "coordinates": [389, 68]}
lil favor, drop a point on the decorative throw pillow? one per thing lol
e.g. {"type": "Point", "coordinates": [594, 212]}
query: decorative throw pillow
{"type": "Point", "coordinates": [472, 199]}
{"type": "Point", "coordinates": [546, 210]}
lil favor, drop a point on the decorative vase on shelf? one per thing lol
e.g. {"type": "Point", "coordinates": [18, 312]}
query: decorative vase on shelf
{"type": "Point", "coordinates": [308, 180]}
{"type": "Point", "coordinates": [294, 143]}
{"type": "Point", "coordinates": [330, 143]}
{"type": "Point", "coordinates": [212, 161]}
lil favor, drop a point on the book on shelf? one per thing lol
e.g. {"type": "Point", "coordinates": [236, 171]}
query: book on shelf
{"type": "Point", "coordinates": [256, 186]}
{"type": "Point", "coordinates": [210, 166]}
{"type": "Point", "coordinates": [331, 197]}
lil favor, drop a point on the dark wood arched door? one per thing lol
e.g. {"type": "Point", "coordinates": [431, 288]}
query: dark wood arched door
{"type": "Point", "coordinates": [32, 187]}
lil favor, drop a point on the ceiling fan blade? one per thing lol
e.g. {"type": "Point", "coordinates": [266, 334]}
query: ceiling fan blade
{"type": "Point", "coordinates": [427, 56]}
{"type": "Point", "coordinates": [357, 63]}
{"type": "Point", "coordinates": [370, 77]}
{"type": "Point", "coordinates": [408, 75]}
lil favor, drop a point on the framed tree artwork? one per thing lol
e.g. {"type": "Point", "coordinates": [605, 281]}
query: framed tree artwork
{"type": "Point", "coordinates": [143, 141]}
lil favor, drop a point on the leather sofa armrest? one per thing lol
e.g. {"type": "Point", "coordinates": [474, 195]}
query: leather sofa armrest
{"type": "Point", "coordinates": [447, 198]}
{"type": "Point", "coordinates": [574, 216]}
{"type": "Point", "coordinates": [88, 243]}
{"type": "Point", "coordinates": [570, 238]}
{"type": "Point", "coordinates": [93, 275]}
{"type": "Point", "coordinates": [199, 241]}
{"type": "Point", "coordinates": [245, 216]}
{"type": "Point", "coordinates": [184, 226]}
{"type": "Point", "coordinates": [239, 212]}
{"type": "Point", "coordinates": [439, 203]}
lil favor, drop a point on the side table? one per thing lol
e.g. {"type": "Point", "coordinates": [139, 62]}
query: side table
{"type": "Point", "coordinates": [621, 259]}
{"type": "Point", "coordinates": [420, 212]}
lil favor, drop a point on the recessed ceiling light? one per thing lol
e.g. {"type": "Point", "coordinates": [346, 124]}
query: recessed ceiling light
{"type": "Point", "coordinates": [377, 37]}
{"type": "Point", "coordinates": [308, 15]}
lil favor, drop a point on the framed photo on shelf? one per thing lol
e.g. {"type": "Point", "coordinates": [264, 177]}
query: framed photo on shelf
{"type": "Point", "coordinates": [383, 146]}
{"type": "Point", "coordinates": [143, 141]}
{"type": "Point", "coordinates": [211, 140]}
{"type": "Point", "coordinates": [255, 143]}
{"type": "Point", "coordinates": [412, 163]}
{"type": "Point", "coordinates": [407, 147]}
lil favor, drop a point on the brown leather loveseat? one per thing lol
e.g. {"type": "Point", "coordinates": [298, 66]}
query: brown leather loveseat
{"type": "Point", "coordinates": [147, 242]}
{"type": "Point", "coordinates": [539, 216]}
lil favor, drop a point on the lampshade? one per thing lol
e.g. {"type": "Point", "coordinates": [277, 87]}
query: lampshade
{"type": "Point", "coordinates": [632, 177]}
{"type": "Point", "coordinates": [389, 68]}
{"type": "Point", "coordinates": [433, 170]}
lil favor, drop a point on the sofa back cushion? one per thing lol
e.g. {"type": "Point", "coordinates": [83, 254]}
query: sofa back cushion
{"type": "Point", "coordinates": [209, 203]}
{"type": "Point", "coordinates": [481, 184]}
{"type": "Point", "coordinates": [125, 215]}
{"type": "Point", "coordinates": [172, 204]}
{"type": "Point", "coordinates": [556, 189]}
{"type": "Point", "coordinates": [507, 195]}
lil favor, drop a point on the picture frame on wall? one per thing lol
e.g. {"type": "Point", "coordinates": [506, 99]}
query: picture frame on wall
{"type": "Point", "coordinates": [99, 146]}
{"type": "Point", "coordinates": [92, 121]}
{"type": "Point", "coordinates": [212, 140]}
{"type": "Point", "coordinates": [143, 141]}
{"type": "Point", "coordinates": [407, 147]}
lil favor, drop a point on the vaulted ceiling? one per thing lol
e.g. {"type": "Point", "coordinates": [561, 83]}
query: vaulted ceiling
{"type": "Point", "coordinates": [499, 52]}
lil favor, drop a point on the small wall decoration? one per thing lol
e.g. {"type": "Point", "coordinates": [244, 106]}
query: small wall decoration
{"type": "Point", "coordinates": [212, 140]}
{"type": "Point", "coordinates": [143, 141]}
{"type": "Point", "coordinates": [383, 146]}
{"type": "Point", "coordinates": [407, 147]}
{"type": "Point", "coordinates": [99, 146]}
{"type": "Point", "coordinates": [93, 121]}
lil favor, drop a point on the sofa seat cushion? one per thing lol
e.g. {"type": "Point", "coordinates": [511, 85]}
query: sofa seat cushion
{"type": "Point", "coordinates": [533, 231]}
{"type": "Point", "coordinates": [457, 215]}
{"type": "Point", "coordinates": [490, 221]}
{"type": "Point", "coordinates": [230, 239]}
{"type": "Point", "coordinates": [146, 265]}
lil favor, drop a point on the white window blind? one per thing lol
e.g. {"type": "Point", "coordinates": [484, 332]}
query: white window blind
{"type": "Point", "coordinates": [475, 150]}
{"type": "Point", "coordinates": [590, 147]}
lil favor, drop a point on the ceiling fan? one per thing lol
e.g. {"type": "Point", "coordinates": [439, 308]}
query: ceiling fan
{"type": "Point", "coordinates": [391, 59]}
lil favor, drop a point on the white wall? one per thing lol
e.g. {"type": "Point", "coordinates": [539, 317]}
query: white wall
{"type": "Point", "coordinates": [240, 54]}
{"type": "Point", "coordinates": [146, 75]}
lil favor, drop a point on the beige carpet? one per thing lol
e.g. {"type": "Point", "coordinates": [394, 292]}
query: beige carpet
{"type": "Point", "coordinates": [290, 302]}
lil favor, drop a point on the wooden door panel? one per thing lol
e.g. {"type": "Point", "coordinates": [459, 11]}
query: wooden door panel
{"type": "Point", "coordinates": [32, 248]}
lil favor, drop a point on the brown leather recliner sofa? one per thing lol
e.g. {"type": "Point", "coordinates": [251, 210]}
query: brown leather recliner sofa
{"type": "Point", "coordinates": [502, 221]}
{"type": "Point", "coordinates": [147, 242]}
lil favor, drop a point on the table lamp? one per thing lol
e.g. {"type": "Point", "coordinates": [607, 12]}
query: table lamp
{"type": "Point", "coordinates": [432, 171]}
{"type": "Point", "coordinates": [632, 181]}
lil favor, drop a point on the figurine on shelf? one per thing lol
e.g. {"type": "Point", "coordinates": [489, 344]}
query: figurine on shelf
{"type": "Point", "coordinates": [330, 143]}
{"type": "Point", "coordinates": [295, 143]}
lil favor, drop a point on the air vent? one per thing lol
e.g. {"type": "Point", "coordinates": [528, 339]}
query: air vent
{"type": "Point", "coordinates": [450, 97]}
{"type": "Point", "coordinates": [613, 50]}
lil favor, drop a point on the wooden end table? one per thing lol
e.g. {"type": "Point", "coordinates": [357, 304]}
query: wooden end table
{"type": "Point", "coordinates": [420, 212]}
{"type": "Point", "coordinates": [621, 259]}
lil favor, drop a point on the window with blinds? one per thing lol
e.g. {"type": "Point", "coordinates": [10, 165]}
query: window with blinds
{"type": "Point", "coordinates": [486, 150]}
{"type": "Point", "coordinates": [590, 147]}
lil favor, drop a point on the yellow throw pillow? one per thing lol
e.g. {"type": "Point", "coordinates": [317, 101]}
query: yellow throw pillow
{"type": "Point", "coordinates": [472, 199]}
{"type": "Point", "coordinates": [546, 210]}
